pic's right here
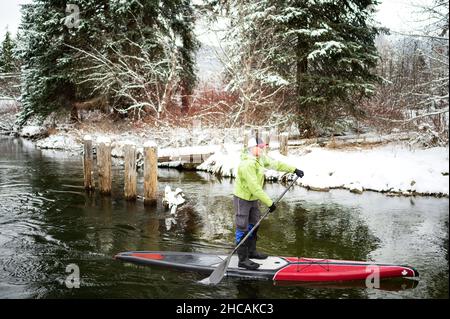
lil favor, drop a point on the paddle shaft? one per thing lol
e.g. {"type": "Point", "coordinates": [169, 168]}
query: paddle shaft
{"type": "Point", "coordinates": [264, 216]}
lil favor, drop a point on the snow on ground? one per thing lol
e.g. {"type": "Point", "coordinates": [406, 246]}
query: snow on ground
{"type": "Point", "coordinates": [60, 142]}
{"type": "Point", "coordinates": [32, 131]}
{"type": "Point", "coordinates": [392, 168]}
{"type": "Point", "coordinates": [395, 168]}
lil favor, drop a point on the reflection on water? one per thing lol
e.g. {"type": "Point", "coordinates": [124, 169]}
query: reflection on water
{"type": "Point", "coordinates": [47, 222]}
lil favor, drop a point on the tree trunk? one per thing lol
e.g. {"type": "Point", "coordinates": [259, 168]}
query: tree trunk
{"type": "Point", "coordinates": [74, 115]}
{"type": "Point", "coordinates": [185, 100]}
{"type": "Point", "coordinates": [302, 67]}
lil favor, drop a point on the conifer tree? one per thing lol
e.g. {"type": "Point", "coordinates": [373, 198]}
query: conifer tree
{"type": "Point", "coordinates": [8, 61]}
{"type": "Point", "coordinates": [319, 54]}
{"type": "Point", "coordinates": [54, 68]}
{"type": "Point", "coordinates": [46, 81]}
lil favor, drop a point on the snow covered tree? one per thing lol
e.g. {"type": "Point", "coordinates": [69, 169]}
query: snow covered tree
{"type": "Point", "coordinates": [46, 83]}
{"type": "Point", "coordinates": [149, 58]}
{"type": "Point", "coordinates": [318, 56]}
{"type": "Point", "coordinates": [8, 61]}
{"type": "Point", "coordinates": [9, 68]}
{"type": "Point", "coordinates": [59, 56]}
{"type": "Point", "coordinates": [414, 65]}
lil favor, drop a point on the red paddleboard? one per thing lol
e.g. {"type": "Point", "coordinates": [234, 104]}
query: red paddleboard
{"type": "Point", "coordinates": [273, 268]}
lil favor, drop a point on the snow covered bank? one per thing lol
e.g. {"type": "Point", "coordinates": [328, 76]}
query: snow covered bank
{"type": "Point", "coordinates": [8, 111]}
{"type": "Point", "coordinates": [60, 142]}
{"type": "Point", "coordinates": [170, 140]}
{"type": "Point", "coordinates": [169, 156]}
{"type": "Point", "coordinates": [393, 168]}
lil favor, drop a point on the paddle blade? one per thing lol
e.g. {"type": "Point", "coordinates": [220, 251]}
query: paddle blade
{"type": "Point", "coordinates": [217, 274]}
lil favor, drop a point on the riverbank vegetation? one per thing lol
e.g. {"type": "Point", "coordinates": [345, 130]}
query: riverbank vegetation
{"type": "Point", "coordinates": [323, 68]}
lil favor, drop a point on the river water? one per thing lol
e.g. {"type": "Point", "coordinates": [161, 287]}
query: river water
{"type": "Point", "coordinates": [48, 222]}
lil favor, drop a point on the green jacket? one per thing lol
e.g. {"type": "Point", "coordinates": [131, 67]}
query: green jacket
{"type": "Point", "coordinates": [250, 176]}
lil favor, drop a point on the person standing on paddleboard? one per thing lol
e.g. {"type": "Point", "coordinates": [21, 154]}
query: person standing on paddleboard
{"type": "Point", "coordinates": [247, 191]}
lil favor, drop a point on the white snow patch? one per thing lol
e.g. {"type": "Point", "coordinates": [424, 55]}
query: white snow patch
{"type": "Point", "coordinates": [103, 140]}
{"type": "Point", "coordinates": [175, 152]}
{"type": "Point", "coordinates": [391, 168]}
{"type": "Point", "coordinates": [325, 48]}
{"type": "Point", "coordinates": [32, 130]}
{"type": "Point", "coordinates": [223, 162]}
{"type": "Point", "coordinates": [59, 142]}
{"type": "Point", "coordinates": [150, 144]}
{"type": "Point", "coordinates": [275, 80]}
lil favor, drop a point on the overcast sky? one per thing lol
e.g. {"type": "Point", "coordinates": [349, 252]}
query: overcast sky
{"type": "Point", "coordinates": [394, 14]}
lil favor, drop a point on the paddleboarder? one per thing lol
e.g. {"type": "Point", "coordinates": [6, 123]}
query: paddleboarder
{"type": "Point", "coordinates": [247, 191]}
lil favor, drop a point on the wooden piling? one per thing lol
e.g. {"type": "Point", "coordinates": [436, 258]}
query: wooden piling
{"type": "Point", "coordinates": [150, 173]}
{"type": "Point", "coordinates": [283, 140]}
{"type": "Point", "coordinates": [266, 138]}
{"type": "Point", "coordinates": [88, 159]}
{"type": "Point", "coordinates": [273, 136]}
{"type": "Point", "coordinates": [104, 164]}
{"type": "Point", "coordinates": [129, 151]}
{"type": "Point", "coordinates": [256, 133]}
{"type": "Point", "coordinates": [247, 134]}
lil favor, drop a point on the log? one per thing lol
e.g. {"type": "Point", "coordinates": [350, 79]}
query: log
{"type": "Point", "coordinates": [130, 192]}
{"type": "Point", "coordinates": [104, 164]}
{"type": "Point", "coordinates": [150, 173]}
{"type": "Point", "coordinates": [88, 159]}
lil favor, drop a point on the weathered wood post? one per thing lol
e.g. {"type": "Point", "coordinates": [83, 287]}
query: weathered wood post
{"type": "Point", "coordinates": [88, 159]}
{"type": "Point", "coordinates": [283, 140]}
{"type": "Point", "coordinates": [104, 164]}
{"type": "Point", "coordinates": [129, 151]}
{"type": "Point", "coordinates": [266, 138]}
{"type": "Point", "coordinates": [150, 173]}
{"type": "Point", "coordinates": [256, 133]}
{"type": "Point", "coordinates": [247, 134]}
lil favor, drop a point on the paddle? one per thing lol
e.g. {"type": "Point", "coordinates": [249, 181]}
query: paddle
{"type": "Point", "coordinates": [220, 270]}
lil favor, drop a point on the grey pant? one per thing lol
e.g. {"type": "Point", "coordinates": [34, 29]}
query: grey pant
{"type": "Point", "coordinates": [247, 212]}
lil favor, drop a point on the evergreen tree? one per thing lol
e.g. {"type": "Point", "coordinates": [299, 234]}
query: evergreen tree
{"type": "Point", "coordinates": [319, 53]}
{"type": "Point", "coordinates": [55, 69]}
{"type": "Point", "coordinates": [46, 83]}
{"type": "Point", "coordinates": [163, 29]}
{"type": "Point", "coordinates": [8, 61]}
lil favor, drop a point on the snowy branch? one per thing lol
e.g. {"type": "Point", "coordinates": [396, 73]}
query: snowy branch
{"type": "Point", "coordinates": [416, 117]}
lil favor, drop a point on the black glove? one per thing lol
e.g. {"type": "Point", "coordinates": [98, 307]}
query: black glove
{"type": "Point", "coordinates": [299, 173]}
{"type": "Point", "coordinates": [272, 208]}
